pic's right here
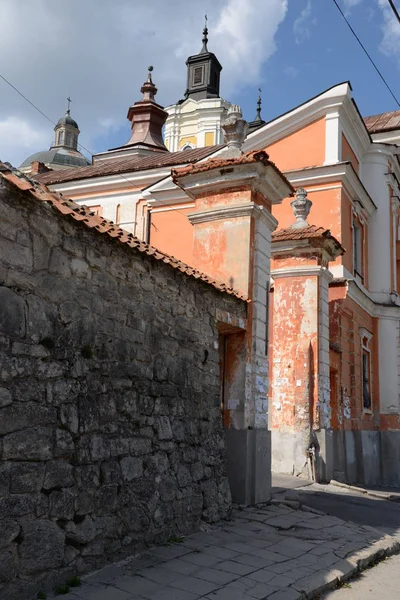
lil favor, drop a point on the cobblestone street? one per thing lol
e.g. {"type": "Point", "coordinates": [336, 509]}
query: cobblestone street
{"type": "Point", "coordinates": [277, 552]}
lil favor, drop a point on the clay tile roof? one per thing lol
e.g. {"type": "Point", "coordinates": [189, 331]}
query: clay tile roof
{"type": "Point", "coordinates": [70, 209]}
{"type": "Point", "coordinates": [311, 232]}
{"type": "Point", "coordinates": [383, 122]}
{"type": "Point", "coordinates": [102, 168]}
{"type": "Point", "coordinates": [222, 163]}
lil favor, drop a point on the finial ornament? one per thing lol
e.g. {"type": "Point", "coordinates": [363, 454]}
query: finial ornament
{"type": "Point", "coordinates": [234, 128]}
{"type": "Point", "coordinates": [205, 37]}
{"type": "Point", "coordinates": [68, 107]}
{"type": "Point", "coordinates": [301, 207]}
{"type": "Point", "coordinates": [150, 70]}
{"type": "Point", "coordinates": [258, 116]}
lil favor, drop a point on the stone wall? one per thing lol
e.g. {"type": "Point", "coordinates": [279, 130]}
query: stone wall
{"type": "Point", "coordinates": [110, 429]}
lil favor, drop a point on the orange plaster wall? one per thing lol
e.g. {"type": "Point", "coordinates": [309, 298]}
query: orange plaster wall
{"type": "Point", "coordinates": [172, 233]}
{"type": "Point", "coordinates": [348, 154]}
{"type": "Point", "coordinates": [222, 250]}
{"type": "Point", "coordinates": [325, 212]}
{"type": "Point", "coordinates": [303, 148]}
{"type": "Point", "coordinates": [294, 389]}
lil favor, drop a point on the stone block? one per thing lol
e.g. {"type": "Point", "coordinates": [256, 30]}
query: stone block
{"type": "Point", "coordinates": [12, 313]}
{"type": "Point", "coordinates": [5, 397]}
{"type": "Point", "coordinates": [9, 530]}
{"type": "Point", "coordinates": [64, 444]}
{"type": "Point", "coordinates": [62, 505]}
{"type": "Point", "coordinates": [26, 477]}
{"type": "Point", "coordinates": [164, 428]}
{"type": "Point", "coordinates": [21, 416]}
{"type": "Point", "coordinates": [17, 505]}
{"type": "Point", "coordinates": [42, 546]}
{"type": "Point", "coordinates": [131, 468]}
{"type": "Point", "coordinates": [8, 564]}
{"type": "Point", "coordinates": [80, 533]}
{"type": "Point", "coordinates": [30, 444]}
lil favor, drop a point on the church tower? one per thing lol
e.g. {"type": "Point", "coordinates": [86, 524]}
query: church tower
{"type": "Point", "coordinates": [195, 121]}
{"type": "Point", "coordinates": [63, 153]}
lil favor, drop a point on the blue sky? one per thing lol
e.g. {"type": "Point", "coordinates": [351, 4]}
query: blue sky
{"type": "Point", "coordinates": [315, 50]}
{"type": "Point", "coordinates": [98, 51]}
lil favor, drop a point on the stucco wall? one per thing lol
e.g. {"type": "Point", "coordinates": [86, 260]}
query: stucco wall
{"type": "Point", "coordinates": [110, 428]}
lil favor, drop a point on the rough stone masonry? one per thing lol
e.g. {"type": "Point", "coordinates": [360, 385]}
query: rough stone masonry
{"type": "Point", "coordinates": [110, 428]}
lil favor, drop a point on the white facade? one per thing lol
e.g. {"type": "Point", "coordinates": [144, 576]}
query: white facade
{"type": "Point", "coordinates": [195, 123]}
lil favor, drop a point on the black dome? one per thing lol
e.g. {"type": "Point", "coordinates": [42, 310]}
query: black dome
{"type": "Point", "coordinates": [67, 120]}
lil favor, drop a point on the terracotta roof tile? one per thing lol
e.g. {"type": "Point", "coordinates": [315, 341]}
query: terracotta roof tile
{"type": "Point", "coordinates": [102, 168]}
{"type": "Point", "coordinates": [222, 163]}
{"type": "Point", "coordinates": [310, 232]}
{"type": "Point", "coordinates": [89, 219]}
{"type": "Point", "coordinates": [383, 122]}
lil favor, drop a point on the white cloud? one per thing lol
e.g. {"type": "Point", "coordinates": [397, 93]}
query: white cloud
{"type": "Point", "coordinates": [301, 24]}
{"type": "Point", "coordinates": [349, 4]}
{"type": "Point", "coordinates": [98, 51]}
{"type": "Point", "coordinates": [291, 71]}
{"type": "Point", "coordinates": [390, 45]}
{"type": "Point", "coordinates": [18, 136]}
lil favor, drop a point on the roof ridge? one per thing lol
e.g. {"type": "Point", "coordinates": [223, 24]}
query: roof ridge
{"type": "Point", "coordinates": [93, 221]}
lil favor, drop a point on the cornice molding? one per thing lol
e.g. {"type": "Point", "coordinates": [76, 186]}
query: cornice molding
{"type": "Point", "coordinates": [234, 211]}
{"type": "Point", "coordinates": [342, 172]}
{"type": "Point", "coordinates": [301, 116]}
{"type": "Point", "coordinates": [302, 272]}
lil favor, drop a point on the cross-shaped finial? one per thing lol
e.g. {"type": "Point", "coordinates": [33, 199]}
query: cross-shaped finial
{"type": "Point", "coordinates": [69, 102]}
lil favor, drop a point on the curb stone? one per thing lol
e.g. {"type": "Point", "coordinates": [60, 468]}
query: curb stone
{"type": "Point", "coordinates": [394, 497]}
{"type": "Point", "coordinates": [345, 569]}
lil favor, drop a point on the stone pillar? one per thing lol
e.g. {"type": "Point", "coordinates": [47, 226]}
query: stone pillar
{"type": "Point", "coordinates": [232, 236]}
{"type": "Point", "coordinates": [300, 360]}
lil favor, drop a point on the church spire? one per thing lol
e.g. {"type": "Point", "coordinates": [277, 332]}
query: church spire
{"type": "Point", "coordinates": [258, 121]}
{"type": "Point", "coordinates": [203, 72]}
{"type": "Point", "coordinates": [204, 49]}
{"type": "Point", "coordinates": [66, 131]}
{"type": "Point", "coordinates": [147, 118]}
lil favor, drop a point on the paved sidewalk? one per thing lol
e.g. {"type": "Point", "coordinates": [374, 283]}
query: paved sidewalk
{"type": "Point", "coordinates": [275, 551]}
{"type": "Point", "coordinates": [382, 582]}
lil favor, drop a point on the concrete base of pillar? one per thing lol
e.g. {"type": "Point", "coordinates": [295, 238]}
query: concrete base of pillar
{"type": "Point", "coordinates": [249, 465]}
{"type": "Point", "coordinates": [371, 458]}
{"type": "Point", "coordinates": [289, 453]}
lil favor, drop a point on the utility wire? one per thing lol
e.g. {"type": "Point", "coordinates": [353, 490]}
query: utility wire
{"type": "Point", "coordinates": [81, 145]}
{"type": "Point", "coordinates": [394, 9]}
{"type": "Point", "coordinates": [367, 53]}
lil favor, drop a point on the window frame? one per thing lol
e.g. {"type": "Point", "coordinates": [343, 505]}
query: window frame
{"type": "Point", "coordinates": [366, 354]}
{"type": "Point", "coordinates": [198, 69]}
{"type": "Point", "coordinates": [358, 249]}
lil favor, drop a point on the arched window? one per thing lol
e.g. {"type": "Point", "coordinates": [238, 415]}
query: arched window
{"type": "Point", "coordinates": [188, 146]}
{"type": "Point", "coordinates": [118, 214]}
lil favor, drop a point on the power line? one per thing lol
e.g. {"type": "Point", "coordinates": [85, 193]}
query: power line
{"type": "Point", "coordinates": [27, 99]}
{"type": "Point", "coordinates": [394, 9]}
{"type": "Point", "coordinates": [81, 145]}
{"type": "Point", "coordinates": [367, 53]}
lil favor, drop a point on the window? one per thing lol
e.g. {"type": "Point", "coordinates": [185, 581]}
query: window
{"type": "Point", "coordinates": [198, 75]}
{"type": "Point", "coordinates": [357, 249]}
{"type": "Point", "coordinates": [366, 370]}
{"type": "Point", "coordinates": [118, 214]}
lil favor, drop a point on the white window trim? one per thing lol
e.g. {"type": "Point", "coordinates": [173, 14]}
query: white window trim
{"type": "Point", "coordinates": [364, 333]}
